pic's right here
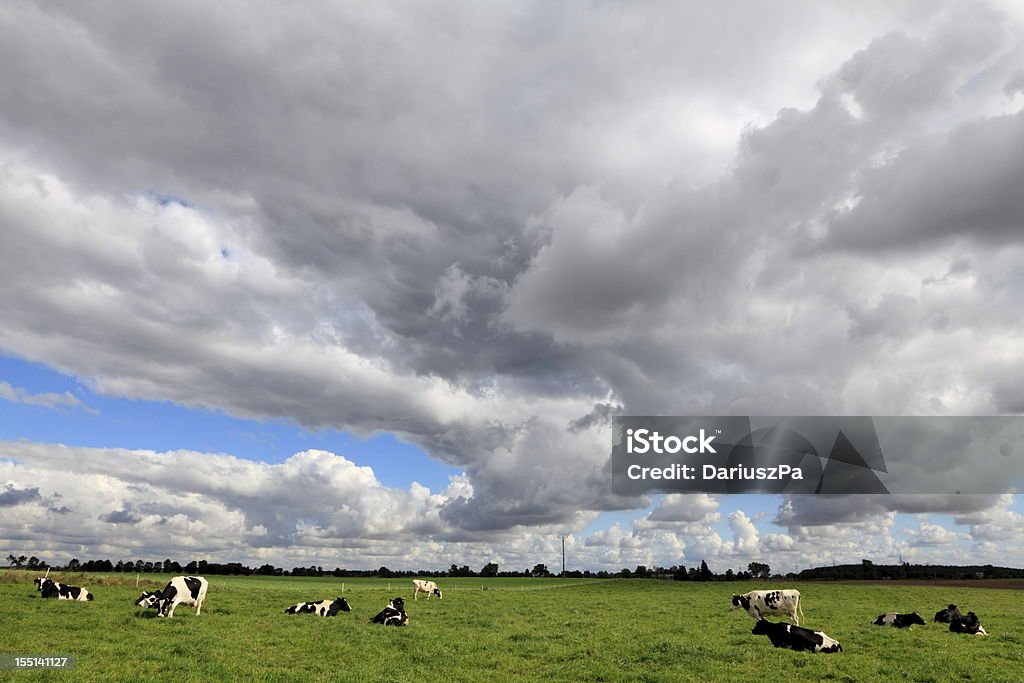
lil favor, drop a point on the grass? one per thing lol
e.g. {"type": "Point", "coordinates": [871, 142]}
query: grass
{"type": "Point", "coordinates": [499, 629]}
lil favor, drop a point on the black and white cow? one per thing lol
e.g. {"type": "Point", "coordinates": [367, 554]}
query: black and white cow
{"type": "Point", "coordinates": [759, 603]}
{"type": "Point", "coordinates": [181, 590]}
{"type": "Point", "coordinates": [796, 637]}
{"type": "Point", "coordinates": [969, 624]}
{"type": "Point", "coordinates": [324, 608]}
{"type": "Point", "coordinates": [945, 616]}
{"type": "Point", "coordinates": [61, 591]}
{"type": "Point", "coordinates": [428, 587]}
{"type": "Point", "coordinates": [392, 615]}
{"type": "Point", "coordinates": [898, 620]}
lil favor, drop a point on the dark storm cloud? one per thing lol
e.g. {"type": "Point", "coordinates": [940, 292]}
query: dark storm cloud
{"type": "Point", "coordinates": [11, 495]}
{"type": "Point", "coordinates": [966, 184]}
{"type": "Point", "coordinates": [824, 510]}
{"type": "Point", "coordinates": [472, 226]}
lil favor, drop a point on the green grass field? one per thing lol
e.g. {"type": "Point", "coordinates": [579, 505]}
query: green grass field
{"type": "Point", "coordinates": [501, 629]}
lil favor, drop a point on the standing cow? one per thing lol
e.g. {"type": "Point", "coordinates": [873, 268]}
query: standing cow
{"type": "Point", "coordinates": [325, 608]}
{"type": "Point", "coordinates": [181, 590]}
{"type": "Point", "coordinates": [428, 587]}
{"type": "Point", "coordinates": [759, 603]}
{"type": "Point", "coordinates": [61, 591]}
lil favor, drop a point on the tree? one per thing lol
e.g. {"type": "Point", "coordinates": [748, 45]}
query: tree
{"type": "Point", "coordinates": [540, 570]}
{"type": "Point", "coordinates": [704, 574]}
{"type": "Point", "coordinates": [759, 570]}
{"type": "Point", "coordinates": [490, 569]}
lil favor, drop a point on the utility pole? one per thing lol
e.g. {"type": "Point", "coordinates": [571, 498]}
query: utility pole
{"type": "Point", "coordinates": [563, 557]}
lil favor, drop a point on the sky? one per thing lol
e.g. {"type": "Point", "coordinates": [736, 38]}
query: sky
{"type": "Point", "coordinates": [360, 285]}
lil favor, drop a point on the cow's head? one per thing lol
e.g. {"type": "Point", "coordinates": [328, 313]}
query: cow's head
{"type": "Point", "coordinates": [339, 605]}
{"type": "Point", "coordinates": [740, 601]}
{"type": "Point", "coordinates": [914, 618]}
{"type": "Point", "coordinates": [762, 627]}
{"type": "Point", "coordinates": [148, 600]}
{"type": "Point", "coordinates": [398, 604]}
{"type": "Point", "coordinates": [437, 592]}
{"type": "Point", "coordinates": [38, 581]}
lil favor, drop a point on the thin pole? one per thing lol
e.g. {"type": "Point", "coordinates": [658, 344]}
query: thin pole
{"type": "Point", "coordinates": [563, 557]}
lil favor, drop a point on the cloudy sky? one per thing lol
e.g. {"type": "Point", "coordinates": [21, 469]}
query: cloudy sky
{"type": "Point", "coordinates": [362, 284]}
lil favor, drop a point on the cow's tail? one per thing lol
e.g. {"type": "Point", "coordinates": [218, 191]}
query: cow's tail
{"type": "Point", "coordinates": [800, 608]}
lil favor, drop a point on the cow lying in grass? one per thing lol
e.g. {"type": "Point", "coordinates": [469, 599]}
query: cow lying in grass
{"type": "Point", "coordinates": [324, 608]}
{"type": "Point", "coordinates": [945, 616]}
{"type": "Point", "coordinates": [898, 620]}
{"type": "Point", "coordinates": [796, 637]}
{"type": "Point", "coordinates": [61, 591]}
{"type": "Point", "coordinates": [970, 625]}
{"type": "Point", "coordinates": [392, 615]}
{"type": "Point", "coordinates": [181, 590]}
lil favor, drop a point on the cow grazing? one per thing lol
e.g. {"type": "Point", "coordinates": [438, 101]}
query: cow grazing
{"type": "Point", "coordinates": [392, 615]}
{"type": "Point", "coordinates": [898, 620]}
{"type": "Point", "coordinates": [61, 591]}
{"type": "Point", "coordinates": [428, 587]}
{"type": "Point", "coordinates": [945, 616]}
{"type": "Point", "coordinates": [795, 637]}
{"type": "Point", "coordinates": [759, 603]}
{"type": "Point", "coordinates": [969, 624]}
{"type": "Point", "coordinates": [148, 599]}
{"type": "Point", "coordinates": [181, 590]}
{"type": "Point", "coordinates": [324, 608]}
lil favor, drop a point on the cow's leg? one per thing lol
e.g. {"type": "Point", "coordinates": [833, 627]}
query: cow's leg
{"type": "Point", "coordinates": [199, 606]}
{"type": "Point", "coordinates": [170, 612]}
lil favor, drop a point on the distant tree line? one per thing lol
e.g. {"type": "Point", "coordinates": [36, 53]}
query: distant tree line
{"type": "Point", "coordinates": [869, 571]}
{"type": "Point", "coordinates": [866, 570]}
{"type": "Point", "coordinates": [491, 569]}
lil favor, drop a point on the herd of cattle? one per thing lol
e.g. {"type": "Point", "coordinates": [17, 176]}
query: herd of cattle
{"type": "Point", "coordinates": [793, 636]}
{"type": "Point", "coordinates": [191, 590]}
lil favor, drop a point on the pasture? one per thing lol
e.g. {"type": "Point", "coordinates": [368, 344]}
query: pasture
{"type": "Point", "coordinates": [525, 629]}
